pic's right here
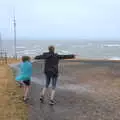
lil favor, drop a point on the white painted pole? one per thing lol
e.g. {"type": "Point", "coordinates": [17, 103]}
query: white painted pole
{"type": "Point", "coordinates": [0, 42]}
{"type": "Point", "coordinates": [14, 22]}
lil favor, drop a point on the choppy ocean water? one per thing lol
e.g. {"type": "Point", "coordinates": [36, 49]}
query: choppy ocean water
{"type": "Point", "coordinates": [83, 49]}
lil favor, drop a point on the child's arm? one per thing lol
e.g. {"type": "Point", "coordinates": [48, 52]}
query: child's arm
{"type": "Point", "coordinates": [70, 56]}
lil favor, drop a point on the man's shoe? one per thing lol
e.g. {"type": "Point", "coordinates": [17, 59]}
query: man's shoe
{"type": "Point", "coordinates": [41, 99]}
{"type": "Point", "coordinates": [52, 102]}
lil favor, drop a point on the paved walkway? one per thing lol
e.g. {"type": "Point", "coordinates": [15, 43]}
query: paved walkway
{"type": "Point", "coordinates": [71, 105]}
{"type": "Point", "coordinates": [84, 92]}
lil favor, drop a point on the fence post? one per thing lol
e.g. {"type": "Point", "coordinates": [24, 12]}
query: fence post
{"type": "Point", "coordinates": [5, 57]}
{"type": "Point", "coordinates": [1, 57]}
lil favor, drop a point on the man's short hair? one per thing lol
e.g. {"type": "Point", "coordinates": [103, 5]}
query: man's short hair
{"type": "Point", "coordinates": [25, 58]}
{"type": "Point", "coordinates": [51, 48]}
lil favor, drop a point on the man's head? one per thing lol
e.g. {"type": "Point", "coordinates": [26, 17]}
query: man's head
{"type": "Point", "coordinates": [51, 48]}
{"type": "Point", "coordinates": [25, 58]}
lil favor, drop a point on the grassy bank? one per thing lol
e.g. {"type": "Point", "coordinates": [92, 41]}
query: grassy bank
{"type": "Point", "coordinates": [11, 105]}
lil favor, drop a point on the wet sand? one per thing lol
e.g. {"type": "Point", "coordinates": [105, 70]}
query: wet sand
{"type": "Point", "coordinates": [86, 90]}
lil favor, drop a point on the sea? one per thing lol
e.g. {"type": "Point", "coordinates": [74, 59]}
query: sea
{"type": "Point", "coordinates": [82, 49]}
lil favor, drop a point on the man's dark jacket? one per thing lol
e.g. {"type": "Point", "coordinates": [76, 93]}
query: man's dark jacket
{"type": "Point", "coordinates": [52, 61]}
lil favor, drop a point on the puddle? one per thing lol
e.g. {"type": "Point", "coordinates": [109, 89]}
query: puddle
{"type": "Point", "coordinates": [70, 87]}
{"type": "Point", "coordinates": [38, 81]}
{"type": "Point", "coordinates": [76, 88]}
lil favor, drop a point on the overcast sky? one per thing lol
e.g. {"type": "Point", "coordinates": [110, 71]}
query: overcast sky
{"type": "Point", "coordinates": [61, 19]}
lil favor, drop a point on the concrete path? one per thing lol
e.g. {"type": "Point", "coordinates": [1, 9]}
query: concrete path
{"type": "Point", "coordinates": [72, 104]}
{"type": "Point", "coordinates": [84, 92]}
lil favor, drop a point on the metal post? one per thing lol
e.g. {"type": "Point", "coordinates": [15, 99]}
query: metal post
{"type": "Point", "coordinates": [0, 42]}
{"type": "Point", "coordinates": [1, 60]}
{"type": "Point", "coordinates": [15, 54]}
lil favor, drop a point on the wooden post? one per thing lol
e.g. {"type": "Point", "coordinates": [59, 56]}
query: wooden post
{"type": "Point", "coordinates": [0, 57]}
{"type": "Point", "coordinates": [6, 57]}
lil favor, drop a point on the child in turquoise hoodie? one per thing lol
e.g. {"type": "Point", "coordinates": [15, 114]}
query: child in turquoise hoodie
{"type": "Point", "coordinates": [25, 75]}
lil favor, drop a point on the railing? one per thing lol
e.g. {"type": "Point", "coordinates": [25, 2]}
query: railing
{"type": "Point", "coordinates": [3, 57]}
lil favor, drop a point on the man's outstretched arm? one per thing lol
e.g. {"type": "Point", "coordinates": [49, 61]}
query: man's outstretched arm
{"type": "Point", "coordinates": [43, 56]}
{"type": "Point", "coordinates": [70, 56]}
{"type": "Point", "coordinates": [39, 57]}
